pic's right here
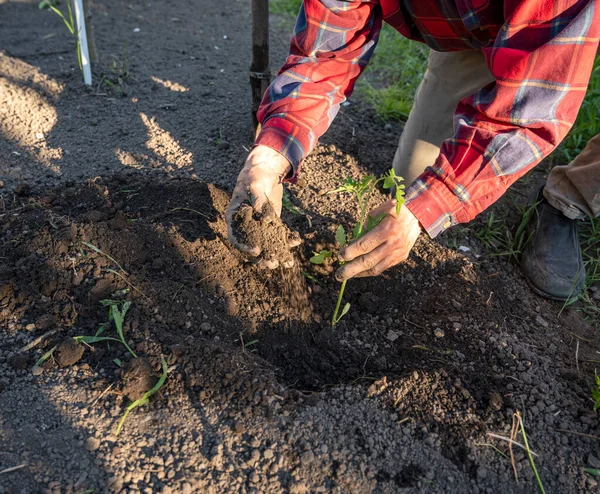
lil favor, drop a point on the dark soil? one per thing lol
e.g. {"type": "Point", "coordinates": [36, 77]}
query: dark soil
{"type": "Point", "coordinates": [262, 395]}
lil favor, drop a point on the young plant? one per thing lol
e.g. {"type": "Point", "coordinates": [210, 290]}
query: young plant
{"type": "Point", "coordinates": [596, 392]}
{"type": "Point", "coordinates": [116, 313]}
{"type": "Point", "coordinates": [146, 398]}
{"type": "Point", "coordinates": [68, 20]}
{"type": "Point", "coordinates": [362, 190]}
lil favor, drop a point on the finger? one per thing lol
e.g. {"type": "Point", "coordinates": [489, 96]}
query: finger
{"type": "Point", "coordinates": [364, 263]}
{"type": "Point", "coordinates": [364, 244]}
{"type": "Point", "coordinates": [382, 266]}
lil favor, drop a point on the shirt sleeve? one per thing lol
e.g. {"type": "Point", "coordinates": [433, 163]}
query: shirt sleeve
{"type": "Point", "coordinates": [332, 43]}
{"type": "Point", "coordinates": [541, 60]}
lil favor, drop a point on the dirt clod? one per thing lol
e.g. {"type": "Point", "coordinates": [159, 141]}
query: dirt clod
{"type": "Point", "coordinates": [138, 378]}
{"type": "Point", "coordinates": [68, 352]}
{"type": "Point", "coordinates": [264, 230]}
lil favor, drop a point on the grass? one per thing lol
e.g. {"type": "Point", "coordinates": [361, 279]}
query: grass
{"type": "Point", "coordinates": [116, 314]}
{"type": "Point", "coordinates": [144, 400]}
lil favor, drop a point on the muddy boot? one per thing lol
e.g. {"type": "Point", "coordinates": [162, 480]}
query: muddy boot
{"type": "Point", "coordinates": [552, 262]}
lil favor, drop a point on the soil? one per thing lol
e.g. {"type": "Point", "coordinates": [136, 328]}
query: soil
{"type": "Point", "coordinates": [263, 230]}
{"type": "Point", "coordinates": [68, 352]}
{"type": "Point", "coordinates": [123, 198]}
{"type": "Point", "coordinates": [138, 378]}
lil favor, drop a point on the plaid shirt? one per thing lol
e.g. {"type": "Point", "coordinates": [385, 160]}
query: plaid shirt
{"type": "Point", "coordinates": [541, 53]}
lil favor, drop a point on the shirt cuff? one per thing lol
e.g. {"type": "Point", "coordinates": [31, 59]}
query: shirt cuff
{"type": "Point", "coordinates": [435, 206]}
{"type": "Point", "coordinates": [286, 138]}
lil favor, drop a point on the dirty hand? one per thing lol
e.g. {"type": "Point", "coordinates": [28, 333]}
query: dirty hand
{"type": "Point", "coordinates": [386, 245]}
{"type": "Point", "coordinates": [259, 182]}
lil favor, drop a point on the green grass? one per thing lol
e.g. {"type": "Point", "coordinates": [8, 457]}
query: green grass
{"type": "Point", "coordinates": [285, 7]}
{"type": "Point", "coordinates": [393, 75]}
{"type": "Point", "coordinates": [587, 124]}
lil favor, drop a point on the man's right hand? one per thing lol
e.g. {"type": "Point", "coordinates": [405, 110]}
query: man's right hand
{"type": "Point", "coordinates": [260, 180]}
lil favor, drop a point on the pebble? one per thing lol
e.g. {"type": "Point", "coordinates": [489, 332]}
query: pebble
{"type": "Point", "coordinates": [205, 326]}
{"type": "Point", "coordinates": [392, 335]}
{"type": "Point", "coordinates": [541, 321]}
{"type": "Point", "coordinates": [307, 457]}
{"type": "Point", "coordinates": [439, 333]}
{"type": "Point", "coordinates": [92, 444]}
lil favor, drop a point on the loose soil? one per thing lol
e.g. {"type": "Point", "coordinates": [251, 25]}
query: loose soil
{"type": "Point", "coordinates": [263, 230]}
{"type": "Point", "coordinates": [123, 198]}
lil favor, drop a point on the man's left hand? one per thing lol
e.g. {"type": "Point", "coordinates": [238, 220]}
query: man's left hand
{"type": "Point", "coordinates": [386, 245]}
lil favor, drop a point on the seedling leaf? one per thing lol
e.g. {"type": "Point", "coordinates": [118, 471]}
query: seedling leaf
{"type": "Point", "coordinates": [596, 393]}
{"type": "Point", "coordinates": [373, 222]}
{"type": "Point", "coordinates": [592, 471]}
{"type": "Point", "coordinates": [45, 357]}
{"type": "Point", "coordinates": [344, 310]}
{"type": "Point", "coordinates": [357, 231]}
{"type": "Point", "coordinates": [319, 257]}
{"type": "Point", "coordinates": [146, 398]}
{"type": "Point", "coordinates": [340, 236]}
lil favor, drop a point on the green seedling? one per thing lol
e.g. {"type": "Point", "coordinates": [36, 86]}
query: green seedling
{"type": "Point", "coordinates": [362, 190]}
{"type": "Point", "coordinates": [144, 400]}
{"type": "Point", "coordinates": [119, 73]}
{"type": "Point", "coordinates": [596, 392]}
{"type": "Point", "coordinates": [116, 314]}
{"type": "Point", "coordinates": [529, 454]}
{"type": "Point", "coordinates": [287, 204]}
{"type": "Point", "coordinates": [68, 21]}
{"type": "Point", "coordinates": [44, 357]}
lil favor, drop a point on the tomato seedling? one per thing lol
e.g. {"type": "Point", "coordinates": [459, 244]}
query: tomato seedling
{"type": "Point", "coordinates": [362, 190]}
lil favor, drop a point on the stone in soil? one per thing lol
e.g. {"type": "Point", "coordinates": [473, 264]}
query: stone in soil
{"type": "Point", "coordinates": [68, 352]}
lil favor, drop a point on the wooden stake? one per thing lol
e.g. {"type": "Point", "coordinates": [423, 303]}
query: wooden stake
{"type": "Point", "coordinates": [260, 75]}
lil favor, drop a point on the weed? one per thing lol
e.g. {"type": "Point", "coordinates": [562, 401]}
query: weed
{"type": "Point", "coordinates": [116, 313]}
{"type": "Point", "coordinates": [119, 73]}
{"type": "Point", "coordinates": [68, 21]}
{"type": "Point", "coordinates": [146, 398]}
{"type": "Point", "coordinates": [529, 454]}
{"type": "Point", "coordinates": [596, 392]}
{"type": "Point", "coordinates": [287, 204]}
{"type": "Point", "coordinates": [44, 357]}
{"type": "Point", "coordinates": [363, 190]}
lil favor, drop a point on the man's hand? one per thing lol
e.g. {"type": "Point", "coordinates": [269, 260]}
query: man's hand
{"type": "Point", "coordinates": [386, 245]}
{"type": "Point", "coordinates": [259, 181]}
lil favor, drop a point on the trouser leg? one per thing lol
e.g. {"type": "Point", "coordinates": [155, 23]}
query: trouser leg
{"type": "Point", "coordinates": [449, 78]}
{"type": "Point", "coordinates": [574, 189]}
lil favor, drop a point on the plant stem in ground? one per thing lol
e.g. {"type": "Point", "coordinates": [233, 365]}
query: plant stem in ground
{"type": "Point", "coordinates": [337, 305]}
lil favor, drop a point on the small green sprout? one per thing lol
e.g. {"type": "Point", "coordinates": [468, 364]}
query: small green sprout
{"type": "Point", "coordinates": [596, 392]}
{"type": "Point", "coordinates": [116, 315]}
{"type": "Point", "coordinates": [363, 190]}
{"type": "Point", "coordinates": [144, 400]}
{"type": "Point", "coordinates": [68, 22]}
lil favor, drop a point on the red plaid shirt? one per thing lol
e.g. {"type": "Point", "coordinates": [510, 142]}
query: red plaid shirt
{"type": "Point", "coordinates": [540, 52]}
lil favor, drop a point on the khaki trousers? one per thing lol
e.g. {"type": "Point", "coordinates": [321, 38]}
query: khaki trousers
{"type": "Point", "coordinates": [573, 189]}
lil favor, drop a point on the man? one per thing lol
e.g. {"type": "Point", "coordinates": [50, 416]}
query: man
{"type": "Point", "coordinates": [503, 86]}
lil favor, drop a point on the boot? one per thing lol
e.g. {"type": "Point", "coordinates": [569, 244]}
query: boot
{"type": "Point", "coordinates": [552, 262]}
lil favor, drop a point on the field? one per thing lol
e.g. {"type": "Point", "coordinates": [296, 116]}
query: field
{"type": "Point", "coordinates": [447, 375]}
